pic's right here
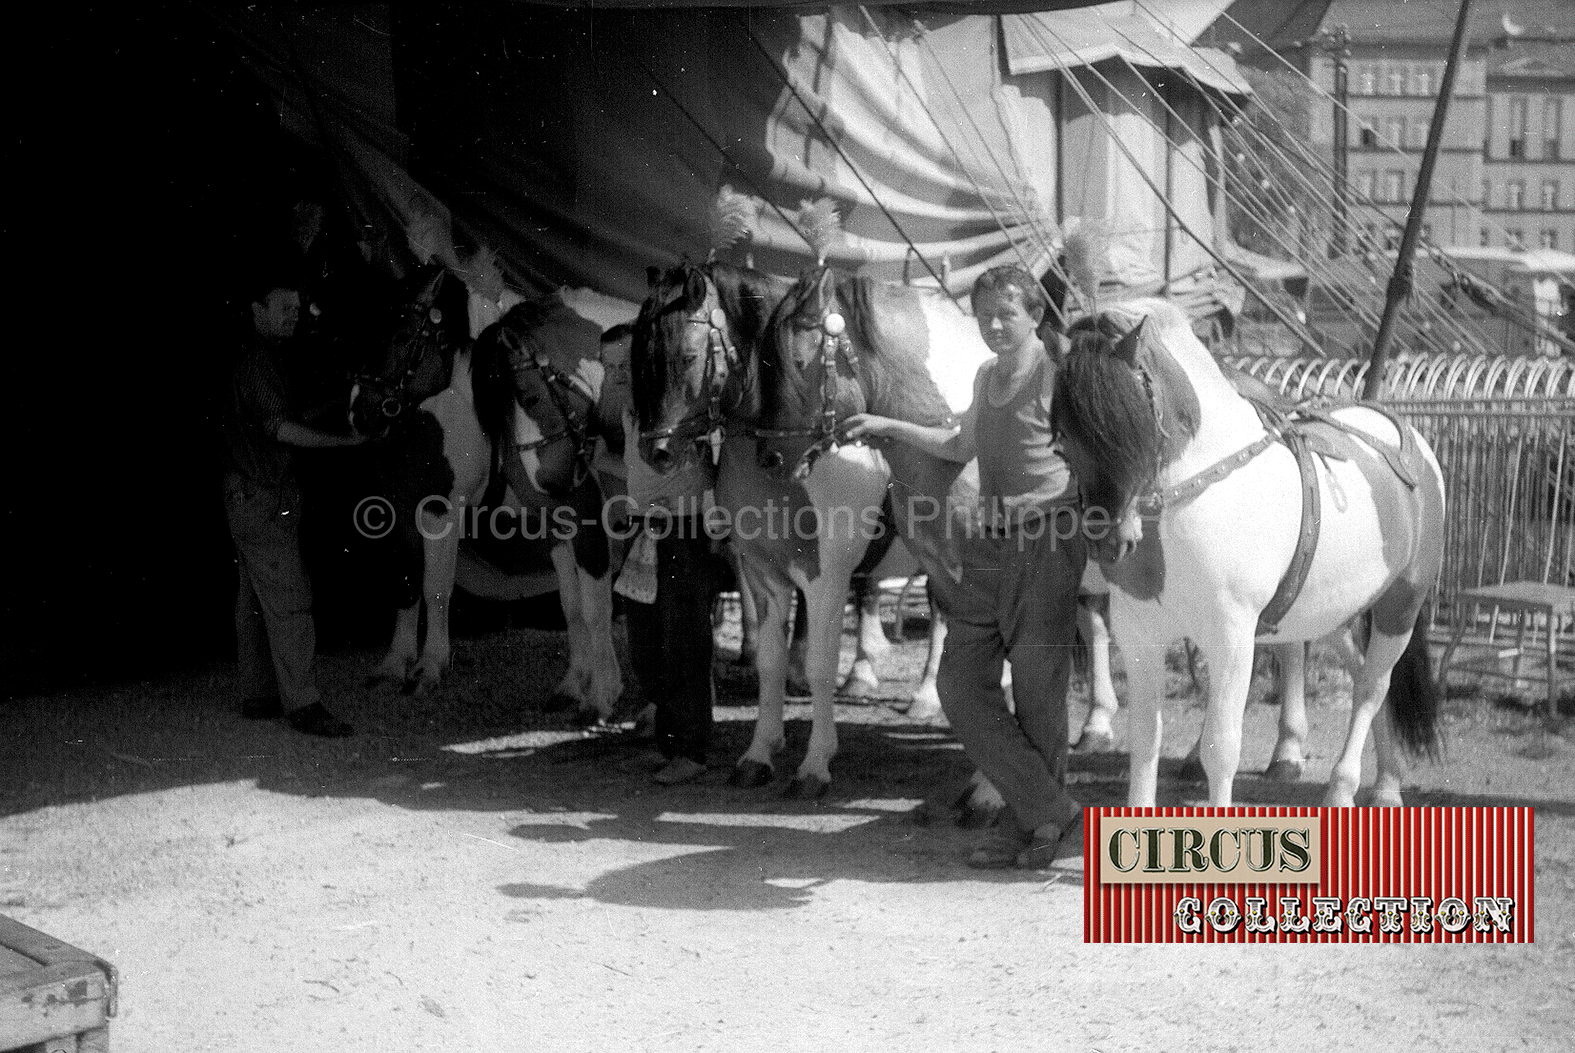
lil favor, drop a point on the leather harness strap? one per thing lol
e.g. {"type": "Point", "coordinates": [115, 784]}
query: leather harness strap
{"type": "Point", "coordinates": [1289, 426]}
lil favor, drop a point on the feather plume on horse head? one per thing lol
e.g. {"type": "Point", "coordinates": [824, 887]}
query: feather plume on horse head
{"type": "Point", "coordinates": [820, 224]}
{"type": "Point", "coordinates": [1081, 251]}
{"type": "Point", "coordinates": [732, 219]}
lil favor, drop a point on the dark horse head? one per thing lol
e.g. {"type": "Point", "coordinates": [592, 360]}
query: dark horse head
{"type": "Point", "coordinates": [545, 360]}
{"type": "Point", "coordinates": [696, 343]}
{"type": "Point", "coordinates": [1123, 409]}
{"type": "Point", "coordinates": [418, 357]}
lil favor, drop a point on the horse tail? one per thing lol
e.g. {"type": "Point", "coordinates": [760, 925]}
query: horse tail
{"type": "Point", "coordinates": [1413, 699]}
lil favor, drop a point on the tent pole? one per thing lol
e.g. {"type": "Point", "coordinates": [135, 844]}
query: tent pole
{"type": "Point", "coordinates": [1400, 281]}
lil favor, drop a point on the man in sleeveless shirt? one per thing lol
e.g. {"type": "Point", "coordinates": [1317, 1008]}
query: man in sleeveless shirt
{"type": "Point", "coordinates": [1017, 598]}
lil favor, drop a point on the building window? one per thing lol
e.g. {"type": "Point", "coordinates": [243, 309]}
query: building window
{"type": "Point", "coordinates": [1422, 80]}
{"type": "Point", "coordinates": [1419, 130]}
{"type": "Point", "coordinates": [1515, 195]}
{"type": "Point", "coordinates": [1396, 82]}
{"type": "Point", "coordinates": [1550, 195]}
{"type": "Point", "coordinates": [1484, 237]}
{"type": "Point", "coordinates": [1427, 231]}
{"type": "Point", "coordinates": [1391, 237]}
{"type": "Point", "coordinates": [1487, 193]}
{"type": "Point", "coordinates": [1551, 114]}
{"type": "Point", "coordinates": [1369, 136]}
{"type": "Point", "coordinates": [1364, 186]}
{"type": "Point", "coordinates": [1515, 239]}
{"type": "Point", "coordinates": [1517, 129]}
{"type": "Point", "coordinates": [1394, 131]}
{"type": "Point", "coordinates": [1394, 186]}
{"type": "Point", "coordinates": [1550, 239]}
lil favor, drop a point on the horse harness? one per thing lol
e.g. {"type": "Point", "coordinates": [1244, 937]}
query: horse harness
{"type": "Point", "coordinates": [1296, 427]}
{"type": "Point", "coordinates": [834, 344]}
{"type": "Point", "coordinates": [576, 423]}
{"type": "Point", "coordinates": [718, 349]}
{"type": "Point", "coordinates": [395, 385]}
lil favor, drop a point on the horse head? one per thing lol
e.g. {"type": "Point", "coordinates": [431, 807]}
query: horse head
{"type": "Point", "coordinates": [416, 361]}
{"type": "Point", "coordinates": [1123, 409]}
{"type": "Point", "coordinates": [810, 337]}
{"type": "Point", "coordinates": [695, 346]}
{"type": "Point", "coordinates": [539, 378]}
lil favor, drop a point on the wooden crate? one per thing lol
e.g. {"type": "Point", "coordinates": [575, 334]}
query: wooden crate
{"type": "Point", "coordinates": [54, 998]}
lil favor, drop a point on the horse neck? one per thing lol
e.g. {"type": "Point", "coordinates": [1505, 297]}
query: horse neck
{"type": "Point", "coordinates": [1226, 421]}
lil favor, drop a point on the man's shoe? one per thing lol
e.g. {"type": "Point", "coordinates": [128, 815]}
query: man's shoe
{"type": "Point", "coordinates": [998, 850]}
{"type": "Point", "coordinates": [678, 771]}
{"type": "Point", "coordinates": [262, 709]}
{"type": "Point", "coordinates": [1052, 848]}
{"type": "Point", "coordinates": [315, 720]}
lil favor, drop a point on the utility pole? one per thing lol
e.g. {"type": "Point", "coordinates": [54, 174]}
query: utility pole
{"type": "Point", "coordinates": [1400, 280]}
{"type": "Point", "coordinates": [1337, 42]}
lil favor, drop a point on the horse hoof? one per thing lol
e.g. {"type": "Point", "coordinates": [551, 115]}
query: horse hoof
{"type": "Point", "coordinates": [588, 716]}
{"type": "Point", "coordinates": [1284, 770]}
{"type": "Point", "coordinates": [980, 805]}
{"type": "Point", "coordinates": [561, 700]}
{"type": "Point", "coordinates": [751, 774]}
{"type": "Point", "coordinates": [645, 723]}
{"type": "Point", "coordinates": [1192, 771]}
{"type": "Point", "coordinates": [807, 788]}
{"type": "Point", "coordinates": [1099, 742]}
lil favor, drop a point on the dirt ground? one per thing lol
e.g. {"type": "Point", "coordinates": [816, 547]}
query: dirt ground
{"type": "Point", "coordinates": [472, 873]}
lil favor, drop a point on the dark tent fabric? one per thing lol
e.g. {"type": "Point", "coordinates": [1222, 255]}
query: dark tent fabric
{"type": "Point", "coordinates": [584, 144]}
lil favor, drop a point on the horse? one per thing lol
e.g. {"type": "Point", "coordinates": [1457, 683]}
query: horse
{"type": "Point", "coordinates": [709, 349]}
{"type": "Point", "coordinates": [1345, 510]}
{"type": "Point", "coordinates": [439, 468]}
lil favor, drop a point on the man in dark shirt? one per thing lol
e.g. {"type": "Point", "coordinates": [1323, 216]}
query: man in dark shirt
{"type": "Point", "coordinates": [276, 641]}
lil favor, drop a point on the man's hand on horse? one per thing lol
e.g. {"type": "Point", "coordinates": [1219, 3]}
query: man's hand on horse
{"type": "Point", "coordinates": [861, 427]}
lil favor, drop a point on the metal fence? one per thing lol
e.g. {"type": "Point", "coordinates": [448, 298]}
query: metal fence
{"type": "Point", "coordinates": [1504, 431]}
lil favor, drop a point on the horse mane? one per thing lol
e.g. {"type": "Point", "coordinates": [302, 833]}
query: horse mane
{"type": "Point", "coordinates": [786, 385]}
{"type": "Point", "coordinates": [746, 298]}
{"type": "Point", "coordinates": [893, 383]}
{"type": "Point", "coordinates": [492, 377]}
{"type": "Point", "coordinates": [1101, 405]}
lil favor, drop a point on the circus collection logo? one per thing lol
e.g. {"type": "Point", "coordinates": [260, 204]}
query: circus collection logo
{"type": "Point", "coordinates": [1309, 875]}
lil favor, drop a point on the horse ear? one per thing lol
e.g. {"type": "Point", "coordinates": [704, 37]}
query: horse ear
{"type": "Point", "coordinates": [1126, 348]}
{"type": "Point", "coordinates": [652, 276]}
{"type": "Point", "coordinates": [694, 288]}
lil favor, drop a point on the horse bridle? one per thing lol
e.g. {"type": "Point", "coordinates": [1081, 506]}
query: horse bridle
{"type": "Point", "coordinates": [576, 424]}
{"type": "Point", "coordinates": [834, 342]}
{"type": "Point", "coordinates": [396, 392]}
{"type": "Point", "coordinates": [719, 348]}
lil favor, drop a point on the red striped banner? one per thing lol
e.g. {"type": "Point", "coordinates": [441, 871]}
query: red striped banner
{"type": "Point", "coordinates": [1383, 875]}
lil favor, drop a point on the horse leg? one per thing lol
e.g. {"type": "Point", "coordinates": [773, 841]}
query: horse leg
{"type": "Point", "coordinates": [440, 556]}
{"type": "Point", "coordinates": [926, 702]}
{"type": "Point", "coordinates": [1099, 733]}
{"type": "Point", "coordinates": [825, 598]}
{"type": "Point", "coordinates": [862, 680]}
{"type": "Point", "coordinates": [573, 690]}
{"type": "Point", "coordinates": [1145, 691]}
{"type": "Point", "coordinates": [1230, 679]}
{"type": "Point", "coordinates": [797, 681]}
{"type": "Point", "coordinates": [1290, 756]}
{"type": "Point", "coordinates": [1369, 685]}
{"type": "Point", "coordinates": [595, 654]}
{"type": "Point", "coordinates": [748, 617]}
{"type": "Point", "coordinates": [773, 593]}
{"type": "Point", "coordinates": [402, 649]}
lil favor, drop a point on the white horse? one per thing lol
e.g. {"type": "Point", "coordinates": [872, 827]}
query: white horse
{"type": "Point", "coordinates": [1153, 430]}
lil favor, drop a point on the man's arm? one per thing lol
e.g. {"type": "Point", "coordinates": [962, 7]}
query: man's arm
{"type": "Point", "coordinates": [948, 442]}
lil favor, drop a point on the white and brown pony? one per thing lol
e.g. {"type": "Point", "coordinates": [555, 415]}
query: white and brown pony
{"type": "Point", "coordinates": [1206, 495]}
{"type": "Point", "coordinates": [439, 470]}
